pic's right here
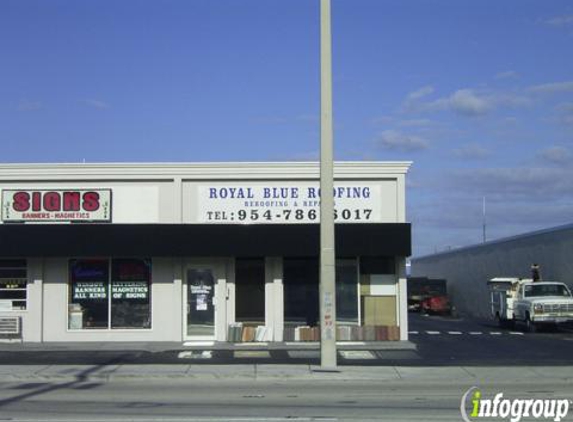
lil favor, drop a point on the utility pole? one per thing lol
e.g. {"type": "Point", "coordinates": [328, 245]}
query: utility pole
{"type": "Point", "coordinates": [327, 252]}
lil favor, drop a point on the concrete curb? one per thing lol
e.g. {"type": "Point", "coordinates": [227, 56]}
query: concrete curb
{"type": "Point", "coordinates": [47, 347]}
{"type": "Point", "coordinates": [268, 372]}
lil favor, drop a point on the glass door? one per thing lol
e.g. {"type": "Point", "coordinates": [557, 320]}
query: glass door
{"type": "Point", "coordinates": [200, 292]}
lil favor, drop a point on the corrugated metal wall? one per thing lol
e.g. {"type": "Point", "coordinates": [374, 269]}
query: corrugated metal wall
{"type": "Point", "coordinates": [468, 269]}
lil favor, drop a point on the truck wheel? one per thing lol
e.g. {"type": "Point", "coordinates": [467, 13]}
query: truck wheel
{"type": "Point", "coordinates": [530, 325]}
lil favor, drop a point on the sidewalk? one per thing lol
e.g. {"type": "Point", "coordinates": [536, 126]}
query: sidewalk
{"type": "Point", "coordinates": [200, 353]}
{"type": "Point", "coordinates": [276, 373]}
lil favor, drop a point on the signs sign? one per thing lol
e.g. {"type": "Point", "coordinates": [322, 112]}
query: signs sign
{"type": "Point", "coordinates": [286, 203]}
{"type": "Point", "coordinates": [56, 205]}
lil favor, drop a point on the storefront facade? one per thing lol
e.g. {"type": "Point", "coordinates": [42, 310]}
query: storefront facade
{"type": "Point", "coordinates": [195, 252]}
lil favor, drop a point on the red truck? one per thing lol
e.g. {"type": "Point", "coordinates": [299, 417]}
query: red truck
{"type": "Point", "coordinates": [428, 295]}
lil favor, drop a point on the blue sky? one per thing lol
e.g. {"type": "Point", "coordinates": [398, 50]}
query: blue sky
{"type": "Point", "coordinates": [478, 94]}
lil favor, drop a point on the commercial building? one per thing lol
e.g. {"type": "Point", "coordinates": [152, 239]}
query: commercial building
{"type": "Point", "coordinates": [468, 269]}
{"type": "Point", "coordinates": [203, 251]}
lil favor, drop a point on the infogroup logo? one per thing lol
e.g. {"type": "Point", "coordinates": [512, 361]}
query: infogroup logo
{"type": "Point", "coordinates": [513, 410]}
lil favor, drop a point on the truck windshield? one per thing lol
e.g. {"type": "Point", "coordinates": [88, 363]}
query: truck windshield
{"type": "Point", "coordinates": [546, 290]}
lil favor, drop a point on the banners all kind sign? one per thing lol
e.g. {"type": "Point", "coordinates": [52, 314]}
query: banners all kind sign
{"type": "Point", "coordinates": [56, 205]}
{"type": "Point", "coordinates": [287, 203]}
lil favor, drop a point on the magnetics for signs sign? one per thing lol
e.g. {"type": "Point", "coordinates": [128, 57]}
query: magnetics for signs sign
{"type": "Point", "coordinates": [130, 290]}
{"type": "Point", "coordinates": [56, 205]}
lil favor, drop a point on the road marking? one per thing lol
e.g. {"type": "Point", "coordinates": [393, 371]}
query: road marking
{"type": "Point", "coordinates": [356, 354]}
{"type": "Point", "coordinates": [199, 343]}
{"type": "Point", "coordinates": [251, 354]}
{"type": "Point", "coordinates": [471, 333]}
{"type": "Point", "coordinates": [205, 354]}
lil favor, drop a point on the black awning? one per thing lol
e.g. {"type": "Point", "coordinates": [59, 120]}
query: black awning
{"type": "Point", "coordinates": [51, 240]}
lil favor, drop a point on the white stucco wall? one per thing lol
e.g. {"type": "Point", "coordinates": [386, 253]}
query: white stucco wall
{"type": "Point", "coordinates": [467, 270]}
{"type": "Point", "coordinates": [168, 194]}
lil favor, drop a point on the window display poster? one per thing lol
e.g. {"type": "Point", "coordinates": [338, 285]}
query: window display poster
{"type": "Point", "coordinates": [130, 290]}
{"type": "Point", "coordinates": [201, 302]}
{"type": "Point", "coordinates": [89, 290]}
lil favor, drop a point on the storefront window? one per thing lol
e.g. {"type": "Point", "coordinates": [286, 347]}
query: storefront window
{"type": "Point", "coordinates": [346, 292]}
{"type": "Point", "coordinates": [250, 290]}
{"type": "Point", "coordinates": [89, 295]}
{"type": "Point", "coordinates": [377, 265]}
{"type": "Point", "coordinates": [130, 293]}
{"type": "Point", "coordinates": [13, 284]}
{"type": "Point", "coordinates": [300, 292]}
{"type": "Point", "coordinates": [301, 301]}
{"type": "Point", "coordinates": [100, 299]}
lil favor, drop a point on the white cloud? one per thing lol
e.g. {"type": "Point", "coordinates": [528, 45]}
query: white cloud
{"type": "Point", "coordinates": [507, 75]}
{"type": "Point", "coordinates": [383, 120]}
{"type": "Point", "coordinates": [463, 101]}
{"type": "Point", "coordinates": [413, 99]}
{"type": "Point", "coordinates": [27, 105]}
{"type": "Point", "coordinates": [466, 102]}
{"type": "Point", "coordinates": [565, 113]}
{"type": "Point", "coordinates": [100, 105]}
{"type": "Point", "coordinates": [308, 118]}
{"type": "Point", "coordinates": [416, 123]}
{"type": "Point", "coordinates": [565, 107]}
{"type": "Point", "coordinates": [420, 93]}
{"type": "Point", "coordinates": [552, 88]}
{"type": "Point", "coordinates": [532, 184]}
{"type": "Point", "coordinates": [395, 140]}
{"type": "Point", "coordinates": [556, 155]}
{"type": "Point", "coordinates": [471, 152]}
{"type": "Point", "coordinates": [562, 20]}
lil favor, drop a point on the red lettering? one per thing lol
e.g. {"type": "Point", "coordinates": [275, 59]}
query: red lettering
{"type": "Point", "coordinates": [91, 201]}
{"type": "Point", "coordinates": [21, 201]}
{"type": "Point", "coordinates": [36, 201]}
{"type": "Point", "coordinates": [71, 201]}
{"type": "Point", "coordinates": [52, 201]}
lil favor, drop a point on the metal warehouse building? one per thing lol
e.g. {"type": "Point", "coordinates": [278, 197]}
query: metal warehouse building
{"type": "Point", "coordinates": [468, 269]}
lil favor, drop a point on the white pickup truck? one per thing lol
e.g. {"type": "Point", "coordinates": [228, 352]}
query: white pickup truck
{"type": "Point", "coordinates": [532, 303]}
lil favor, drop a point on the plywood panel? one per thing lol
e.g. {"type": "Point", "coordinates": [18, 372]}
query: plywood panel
{"type": "Point", "coordinates": [379, 310]}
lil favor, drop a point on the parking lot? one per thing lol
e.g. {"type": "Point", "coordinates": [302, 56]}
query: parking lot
{"type": "Point", "coordinates": [447, 340]}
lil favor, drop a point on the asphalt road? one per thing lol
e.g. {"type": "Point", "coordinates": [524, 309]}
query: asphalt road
{"type": "Point", "coordinates": [228, 399]}
{"type": "Point", "coordinates": [452, 356]}
{"type": "Point", "coordinates": [440, 341]}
